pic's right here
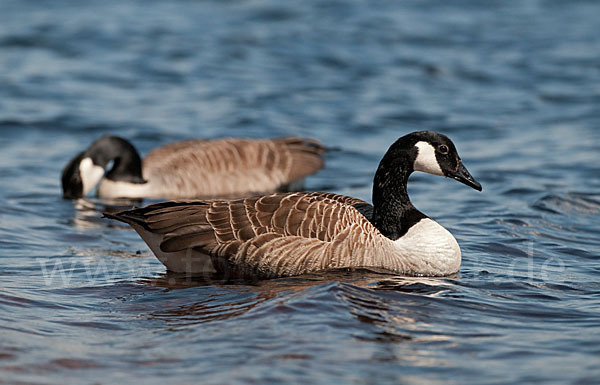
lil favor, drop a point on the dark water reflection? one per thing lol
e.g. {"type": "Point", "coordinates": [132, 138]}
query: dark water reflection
{"type": "Point", "coordinates": [515, 84]}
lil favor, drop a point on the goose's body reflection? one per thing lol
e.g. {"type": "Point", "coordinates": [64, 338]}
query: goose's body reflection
{"type": "Point", "coordinates": [385, 301]}
{"type": "Point", "coordinates": [87, 213]}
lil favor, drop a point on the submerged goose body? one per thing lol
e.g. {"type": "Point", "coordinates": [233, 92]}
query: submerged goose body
{"type": "Point", "coordinates": [192, 168]}
{"type": "Point", "coordinates": [296, 233]}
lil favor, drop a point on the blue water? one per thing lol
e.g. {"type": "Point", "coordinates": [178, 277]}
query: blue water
{"type": "Point", "coordinates": [515, 84]}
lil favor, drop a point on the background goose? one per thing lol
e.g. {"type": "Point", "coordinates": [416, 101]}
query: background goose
{"type": "Point", "coordinates": [296, 233]}
{"type": "Point", "coordinates": [192, 168]}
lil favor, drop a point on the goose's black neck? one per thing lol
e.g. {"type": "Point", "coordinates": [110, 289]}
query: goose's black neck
{"type": "Point", "coordinates": [127, 164]}
{"type": "Point", "coordinates": [393, 213]}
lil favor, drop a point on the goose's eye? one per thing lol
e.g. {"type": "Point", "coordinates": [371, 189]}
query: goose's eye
{"type": "Point", "coordinates": [443, 149]}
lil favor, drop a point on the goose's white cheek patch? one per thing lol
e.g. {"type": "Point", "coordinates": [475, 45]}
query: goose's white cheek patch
{"type": "Point", "coordinates": [426, 160]}
{"type": "Point", "coordinates": [90, 174]}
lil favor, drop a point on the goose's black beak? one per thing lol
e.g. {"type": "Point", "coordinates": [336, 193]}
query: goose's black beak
{"type": "Point", "coordinates": [462, 175]}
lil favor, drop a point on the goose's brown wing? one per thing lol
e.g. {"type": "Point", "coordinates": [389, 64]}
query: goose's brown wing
{"type": "Point", "coordinates": [305, 156]}
{"type": "Point", "coordinates": [229, 167]}
{"type": "Point", "coordinates": [273, 235]}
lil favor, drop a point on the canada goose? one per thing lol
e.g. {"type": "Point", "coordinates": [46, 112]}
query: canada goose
{"type": "Point", "coordinates": [295, 233]}
{"type": "Point", "coordinates": [192, 168]}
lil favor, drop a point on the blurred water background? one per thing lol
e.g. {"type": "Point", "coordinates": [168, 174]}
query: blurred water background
{"type": "Point", "coordinates": [515, 84]}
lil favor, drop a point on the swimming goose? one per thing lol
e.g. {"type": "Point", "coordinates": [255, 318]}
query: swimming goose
{"type": "Point", "coordinates": [192, 168]}
{"type": "Point", "coordinates": [296, 233]}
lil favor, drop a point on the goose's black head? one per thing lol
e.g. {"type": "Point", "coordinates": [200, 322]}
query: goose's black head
{"type": "Point", "coordinates": [429, 152]}
{"type": "Point", "coordinates": [435, 153]}
{"type": "Point", "coordinates": [85, 170]}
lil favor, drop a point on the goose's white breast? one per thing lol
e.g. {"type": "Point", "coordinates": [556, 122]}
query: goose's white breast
{"type": "Point", "coordinates": [430, 247]}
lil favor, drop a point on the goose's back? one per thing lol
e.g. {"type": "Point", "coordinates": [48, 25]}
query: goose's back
{"type": "Point", "coordinates": [229, 167]}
